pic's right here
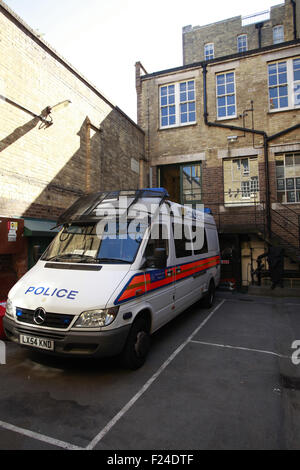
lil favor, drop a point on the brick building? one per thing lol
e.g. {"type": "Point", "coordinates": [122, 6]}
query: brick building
{"type": "Point", "coordinates": [226, 132]}
{"type": "Point", "coordinates": [239, 34]}
{"type": "Point", "coordinates": [60, 137]}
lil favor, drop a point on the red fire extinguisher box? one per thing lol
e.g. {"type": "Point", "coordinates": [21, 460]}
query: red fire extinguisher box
{"type": "Point", "coordinates": [2, 313]}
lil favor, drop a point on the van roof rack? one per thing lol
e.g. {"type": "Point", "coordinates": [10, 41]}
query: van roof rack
{"type": "Point", "coordinates": [82, 209]}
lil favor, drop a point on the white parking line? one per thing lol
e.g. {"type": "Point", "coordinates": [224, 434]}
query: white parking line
{"type": "Point", "coordinates": [122, 412]}
{"type": "Point", "coordinates": [145, 387]}
{"type": "Point", "coordinates": [241, 348]}
{"type": "Point", "coordinates": [39, 437]}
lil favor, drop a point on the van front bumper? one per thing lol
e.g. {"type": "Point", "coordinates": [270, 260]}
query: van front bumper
{"type": "Point", "coordinates": [72, 343]}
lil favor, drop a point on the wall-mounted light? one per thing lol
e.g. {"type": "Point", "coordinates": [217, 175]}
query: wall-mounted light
{"type": "Point", "coordinates": [50, 109]}
{"type": "Point", "coordinates": [232, 138]}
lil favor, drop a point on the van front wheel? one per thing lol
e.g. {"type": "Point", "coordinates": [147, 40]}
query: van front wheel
{"type": "Point", "coordinates": [137, 345]}
{"type": "Point", "coordinates": [209, 298]}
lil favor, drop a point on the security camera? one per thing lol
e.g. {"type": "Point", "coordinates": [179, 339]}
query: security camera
{"type": "Point", "coordinates": [232, 138]}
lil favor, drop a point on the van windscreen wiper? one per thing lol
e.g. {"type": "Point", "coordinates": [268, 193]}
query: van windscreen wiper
{"type": "Point", "coordinates": [113, 260]}
{"type": "Point", "coordinates": [81, 257]}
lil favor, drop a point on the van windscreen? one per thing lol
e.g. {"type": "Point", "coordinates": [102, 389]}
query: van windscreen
{"type": "Point", "coordinates": [104, 242]}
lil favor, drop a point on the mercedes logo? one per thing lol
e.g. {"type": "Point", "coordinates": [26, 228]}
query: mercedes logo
{"type": "Point", "coordinates": [39, 316]}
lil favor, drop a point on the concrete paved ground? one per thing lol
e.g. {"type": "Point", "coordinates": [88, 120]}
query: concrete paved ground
{"type": "Point", "coordinates": [213, 380]}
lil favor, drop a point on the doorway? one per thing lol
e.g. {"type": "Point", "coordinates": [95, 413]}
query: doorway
{"type": "Point", "coordinates": [183, 182]}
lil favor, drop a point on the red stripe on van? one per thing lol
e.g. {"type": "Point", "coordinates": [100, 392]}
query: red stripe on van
{"type": "Point", "coordinates": [142, 283]}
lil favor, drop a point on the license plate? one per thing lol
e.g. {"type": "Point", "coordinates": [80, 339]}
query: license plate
{"type": "Point", "coordinates": [40, 343]}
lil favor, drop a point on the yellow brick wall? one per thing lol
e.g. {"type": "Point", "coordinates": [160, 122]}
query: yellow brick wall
{"type": "Point", "coordinates": [251, 75]}
{"type": "Point", "coordinates": [43, 169]}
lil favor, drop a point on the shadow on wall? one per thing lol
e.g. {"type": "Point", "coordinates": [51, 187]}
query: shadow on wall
{"type": "Point", "coordinates": [102, 162]}
{"type": "Point", "coordinates": [18, 133]}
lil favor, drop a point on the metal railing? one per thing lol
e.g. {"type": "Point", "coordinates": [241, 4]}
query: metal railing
{"type": "Point", "coordinates": [233, 211]}
{"type": "Point", "coordinates": [285, 219]}
{"type": "Point", "coordinates": [236, 209]}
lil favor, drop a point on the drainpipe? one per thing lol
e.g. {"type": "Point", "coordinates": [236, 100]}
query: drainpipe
{"type": "Point", "coordinates": [242, 129]}
{"type": "Point", "coordinates": [266, 138]}
{"type": "Point", "coordinates": [87, 156]}
{"type": "Point", "coordinates": [259, 26]}
{"type": "Point", "coordinates": [293, 2]}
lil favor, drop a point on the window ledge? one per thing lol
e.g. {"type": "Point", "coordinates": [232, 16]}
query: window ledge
{"type": "Point", "coordinates": [179, 126]}
{"type": "Point", "coordinates": [288, 203]}
{"type": "Point", "coordinates": [226, 118]}
{"type": "Point", "coordinates": [275, 111]}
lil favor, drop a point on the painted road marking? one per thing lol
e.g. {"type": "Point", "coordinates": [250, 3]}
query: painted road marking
{"type": "Point", "coordinates": [39, 437]}
{"type": "Point", "coordinates": [138, 395]}
{"type": "Point", "coordinates": [240, 348]}
{"type": "Point", "coordinates": [122, 412]}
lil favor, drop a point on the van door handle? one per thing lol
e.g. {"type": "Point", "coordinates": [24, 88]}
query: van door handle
{"type": "Point", "coordinates": [139, 292]}
{"type": "Point", "coordinates": [169, 272]}
{"type": "Point", "coordinates": [178, 270]}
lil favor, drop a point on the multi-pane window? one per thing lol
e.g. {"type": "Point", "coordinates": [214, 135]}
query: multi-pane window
{"type": "Point", "coordinates": [296, 77]}
{"type": "Point", "coordinates": [177, 104]}
{"type": "Point", "coordinates": [209, 51]}
{"type": "Point", "coordinates": [226, 102]}
{"type": "Point", "coordinates": [241, 183]}
{"type": "Point", "coordinates": [242, 45]}
{"type": "Point", "coordinates": [167, 105]}
{"type": "Point", "coordinates": [187, 102]}
{"type": "Point", "coordinates": [250, 188]}
{"type": "Point", "coordinates": [278, 34]}
{"type": "Point", "coordinates": [278, 85]}
{"type": "Point", "coordinates": [288, 177]}
{"type": "Point", "coordinates": [284, 84]}
{"type": "Point", "coordinates": [191, 183]}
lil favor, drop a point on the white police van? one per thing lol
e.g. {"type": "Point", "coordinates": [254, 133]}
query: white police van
{"type": "Point", "coordinates": [123, 264]}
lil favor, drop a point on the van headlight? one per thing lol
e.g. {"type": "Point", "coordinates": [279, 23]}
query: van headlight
{"type": "Point", "coordinates": [10, 309]}
{"type": "Point", "coordinates": [97, 318]}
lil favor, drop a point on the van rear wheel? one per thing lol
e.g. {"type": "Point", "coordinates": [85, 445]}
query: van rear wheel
{"type": "Point", "coordinates": [209, 298]}
{"type": "Point", "coordinates": [137, 345]}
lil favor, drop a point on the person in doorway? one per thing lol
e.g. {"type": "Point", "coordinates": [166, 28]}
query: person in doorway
{"type": "Point", "coordinates": [275, 257]}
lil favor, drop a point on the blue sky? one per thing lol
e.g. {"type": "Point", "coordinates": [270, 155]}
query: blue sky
{"type": "Point", "coordinates": [104, 38]}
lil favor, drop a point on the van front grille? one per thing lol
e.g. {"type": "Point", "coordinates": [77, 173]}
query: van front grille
{"type": "Point", "coordinates": [52, 320]}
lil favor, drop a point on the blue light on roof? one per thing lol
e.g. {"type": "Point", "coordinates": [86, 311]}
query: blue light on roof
{"type": "Point", "coordinates": [162, 191]}
{"type": "Point", "coordinates": [207, 210]}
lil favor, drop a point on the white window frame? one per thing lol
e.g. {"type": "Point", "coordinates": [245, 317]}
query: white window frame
{"type": "Point", "coordinates": [209, 51]}
{"type": "Point", "coordinates": [248, 191]}
{"type": "Point", "coordinates": [245, 189]}
{"type": "Point", "coordinates": [244, 46]}
{"type": "Point", "coordinates": [177, 103]}
{"type": "Point", "coordinates": [296, 188]}
{"type": "Point", "coordinates": [228, 116]}
{"type": "Point", "coordinates": [278, 34]}
{"type": "Point", "coordinates": [291, 84]}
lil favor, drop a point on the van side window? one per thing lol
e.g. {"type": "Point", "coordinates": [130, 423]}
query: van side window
{"type": "Point", "coordinates": [181, 242]}
{"type": "Point", "coordinates": [204, 248]}
{"type": "Point", "coordinates": [213, 240]}
{"type": "Point", "coordinates": [159, 239]}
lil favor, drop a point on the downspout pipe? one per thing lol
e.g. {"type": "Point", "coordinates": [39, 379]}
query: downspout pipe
{"type": "Point", "coordinates": [293, 2]}
{"type": "Point", "coordinates": [242, 129]}
{"type": "Point", "coordinates": [266, 139]}
{"type": "Point", "coordinates": [259, 26]}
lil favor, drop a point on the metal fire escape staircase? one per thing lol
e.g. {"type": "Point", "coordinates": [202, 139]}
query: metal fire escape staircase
{"type": "Point", "coordinates": [285, 230]}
